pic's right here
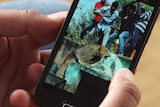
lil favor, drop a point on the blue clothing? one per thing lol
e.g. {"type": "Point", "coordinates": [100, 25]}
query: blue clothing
{"type": "Point", "coordinates": [122, 37]}
{"type": "Point", "coordinates": [140, 27]}
{"type": "Point", "coordinates": [108, 18]}
{"type": "Point", "coordinates": [138, 32]}
{"type": "Point", "coordinates": [42, 6]}
{"type": "Point", "coordinates": [108, 21]}
{"type": "Point", "coordinates": [128, 20]}
{"type": "Point", "coordinates": [136, 36]}
{"type": "Point", "coordinates": [143, 21]}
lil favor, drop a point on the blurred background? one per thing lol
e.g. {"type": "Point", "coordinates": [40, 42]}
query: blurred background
{"type": "Point", "coordinates": [148, 70]}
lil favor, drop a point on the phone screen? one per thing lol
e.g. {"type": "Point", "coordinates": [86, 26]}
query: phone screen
{"type": "Point", "coordinates": [100, 37]}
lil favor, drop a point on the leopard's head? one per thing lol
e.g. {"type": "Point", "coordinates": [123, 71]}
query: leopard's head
{"type": "Point", "coordinates": [104, 52]}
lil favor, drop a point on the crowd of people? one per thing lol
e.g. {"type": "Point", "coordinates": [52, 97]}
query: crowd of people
{"type": "Point", "coordinates": [133, 22]}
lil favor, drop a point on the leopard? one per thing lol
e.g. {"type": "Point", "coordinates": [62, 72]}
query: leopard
{"type": "Point", "coordinates": [85, 55]}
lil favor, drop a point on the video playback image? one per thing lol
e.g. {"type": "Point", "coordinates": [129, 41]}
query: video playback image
{"type": "Point", "coordinates": [101, 38]}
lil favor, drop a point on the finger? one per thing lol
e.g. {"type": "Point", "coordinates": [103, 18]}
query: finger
{"type": "Point", "coordinates": [35, 70]}
{"type": "Point", "coordinates": [42, 29]}
{"type": "Point", "coordinates": [45, 55]}
{"type": "Point", "coordinates": [122, 91]}
{"type": "Point", "coordinates": [53, 25]}
{"type": "Point", "coordinates": [21, 98]}
{"type": "Point", "coordinates": [34, 73]}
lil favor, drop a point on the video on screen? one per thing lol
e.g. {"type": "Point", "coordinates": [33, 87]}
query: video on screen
{"type": "Point", "coordinates": [101, 38]}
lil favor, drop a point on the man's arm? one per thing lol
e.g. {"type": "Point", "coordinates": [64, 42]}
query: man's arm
{"type": "Point", "coordinates": [112, 18]}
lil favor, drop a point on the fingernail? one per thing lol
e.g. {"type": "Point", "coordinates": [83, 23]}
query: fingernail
{"type": "Point", "coordinates": [126, 74]}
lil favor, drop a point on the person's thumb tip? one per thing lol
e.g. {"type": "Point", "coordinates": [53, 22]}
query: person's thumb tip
{"type": "Point", "coordinates": [123, 91]}
{"type": "Point", "coordinates": [125, 73]}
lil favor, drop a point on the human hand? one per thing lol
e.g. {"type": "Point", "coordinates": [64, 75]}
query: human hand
{"type": "Point", "coordinates": [21, 35]}
{"type": "Point", "coordinates": [122, 91]}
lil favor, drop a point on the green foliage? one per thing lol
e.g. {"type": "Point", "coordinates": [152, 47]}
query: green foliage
{"type": "Point", "coordinates": [73, 31]}
{"type": "Point", "coordinates": [77, 23]}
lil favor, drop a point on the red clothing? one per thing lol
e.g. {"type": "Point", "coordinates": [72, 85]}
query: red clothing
{"type": "Point", "coordinates": [98, 5]}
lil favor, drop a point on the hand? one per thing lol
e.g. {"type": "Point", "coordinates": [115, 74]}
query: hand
{"type": "Point", "coordinates": [122, 91]}
{"type": "Point", "coordinates": [101, 14]}
{"type": "Point", "coordinates": [21, 35]}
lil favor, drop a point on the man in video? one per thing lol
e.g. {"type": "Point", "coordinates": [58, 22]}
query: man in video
{"type": "Point", "coordinates": [96, 19]}
{"type": "Point", "coordinates": [128, 20]}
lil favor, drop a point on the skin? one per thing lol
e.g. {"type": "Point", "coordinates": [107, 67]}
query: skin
{"type": "Point", "coordinates": [22, 63]}
{"type": "Point", "coordinates": [21, 35]}
{"type": "Point", "coordinates": [122, 91]}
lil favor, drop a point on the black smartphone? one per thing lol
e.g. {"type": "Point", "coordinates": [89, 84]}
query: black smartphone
{"type": "Point", "coordinates": [97, 38]}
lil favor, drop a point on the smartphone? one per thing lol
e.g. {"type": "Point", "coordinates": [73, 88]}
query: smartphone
{"type": "Point", "coordinates": [80, 66]}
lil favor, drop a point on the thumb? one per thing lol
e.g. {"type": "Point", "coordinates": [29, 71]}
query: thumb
{"type": "Point", "coordinates": [122, 91]}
